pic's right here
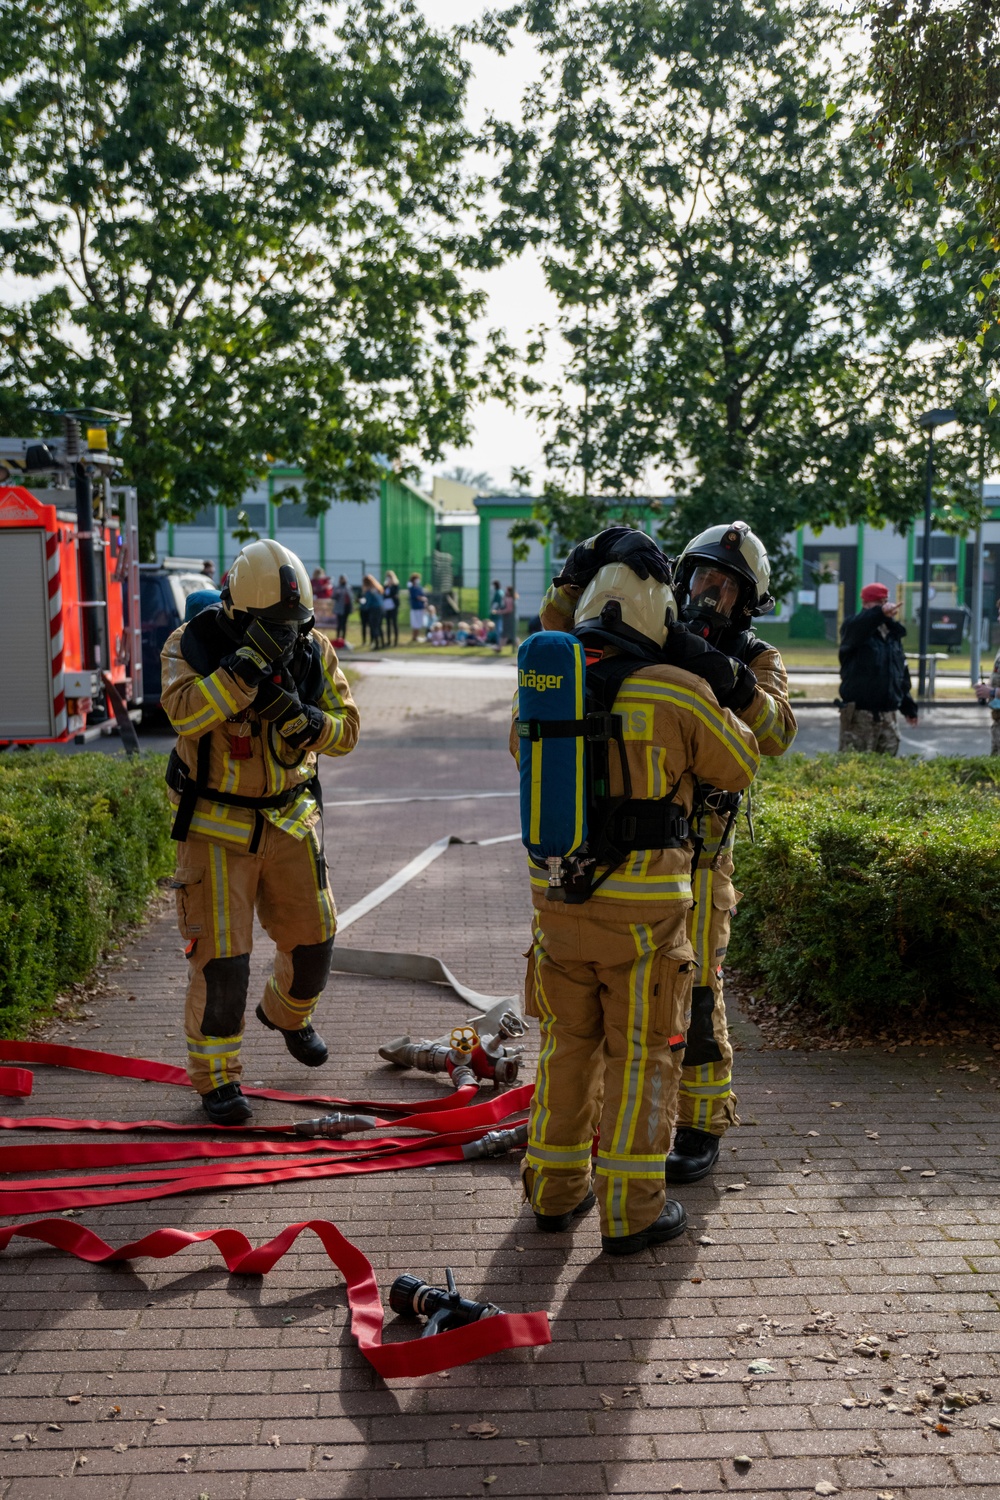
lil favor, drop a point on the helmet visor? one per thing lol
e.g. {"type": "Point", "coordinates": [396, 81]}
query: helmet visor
{"type": "Point", "coordinates": [714, 589]}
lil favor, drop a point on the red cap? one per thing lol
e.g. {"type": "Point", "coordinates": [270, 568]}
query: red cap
{"type": "Point", "coordinates": [874, 593]}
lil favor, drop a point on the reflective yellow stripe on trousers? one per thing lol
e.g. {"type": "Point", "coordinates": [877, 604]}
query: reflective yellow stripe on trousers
{"type": "Point", "coordinates": [617, 1163]}
{"type": "Point", "coordinates": [706, 1085]}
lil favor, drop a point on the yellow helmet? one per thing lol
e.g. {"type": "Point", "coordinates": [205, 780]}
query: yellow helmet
{"type": "Point", "coordinates": [618, 608]}
{"type": "Point", "coordinates": [268, 581]}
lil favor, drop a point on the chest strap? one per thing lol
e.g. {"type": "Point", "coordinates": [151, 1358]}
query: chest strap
{"type": "Point", "coordinates": [191, 789]}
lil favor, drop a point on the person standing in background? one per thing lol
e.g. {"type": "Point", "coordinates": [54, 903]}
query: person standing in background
{"type": "Point", "coordinates": [322, 586]}
{"type": "Point", "coordinates": [418, 607]}
{"type": "Point", "coordinates": [371, 609]}
{"type": "Point", "coordinates": [496, 612]}
{"type": "Point", "coordinates": [989, 692]}
{"type": "Point", "coordinates": [390, 608]}
{"type": "Point", "coordinates": [343, 603]}
{"type": "Point", "coordinates": [508, 616]}
{"type": "Point", "coordinates": [874, 677]}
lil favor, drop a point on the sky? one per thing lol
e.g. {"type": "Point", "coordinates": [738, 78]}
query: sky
{"type": "Point", "coordinates": [518, 297]}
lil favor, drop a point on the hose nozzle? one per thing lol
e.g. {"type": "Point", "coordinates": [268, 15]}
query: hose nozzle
{"type": "Point", "coordinates": [496, 1143]}
{"type": "Point", "coordinates": [336, 1124]}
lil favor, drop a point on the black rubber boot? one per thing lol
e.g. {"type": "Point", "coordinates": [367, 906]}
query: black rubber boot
{"type": "Point", "coordinates": [227, 1105]}
{"type": "Point", "coordinates": [556, 1223]}
{"type": "Point", "coordinates": [306, 1045]}
{"type": "Point", "coordinates": [672, 1222]}
{"type": "Point", "coordinates": [693, 1155]}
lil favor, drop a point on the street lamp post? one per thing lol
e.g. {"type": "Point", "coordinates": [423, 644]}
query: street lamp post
{"type": "Point", "coordinates": [929, 420]}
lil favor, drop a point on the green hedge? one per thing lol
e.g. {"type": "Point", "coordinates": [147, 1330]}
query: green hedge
{"type": "Point", "coordinates": [83, 840]}
{"type": "Point", "coordinates": [873, 886]}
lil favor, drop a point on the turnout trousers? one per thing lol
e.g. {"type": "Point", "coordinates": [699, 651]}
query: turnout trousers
{"type": "Point", "coordinates": [611, 998]}
{"type": "Point", "coordinates": [707, 1101]}
{"type": "Point", "coordinates": [218, 890]}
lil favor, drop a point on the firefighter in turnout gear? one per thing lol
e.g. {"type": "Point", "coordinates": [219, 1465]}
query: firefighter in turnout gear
{"type": "Point", "coordinates": [255, 695]}
{"type": "Point", "coordinates": [722, 581]}
{"type": "Point", "coordinates": [610, 971]}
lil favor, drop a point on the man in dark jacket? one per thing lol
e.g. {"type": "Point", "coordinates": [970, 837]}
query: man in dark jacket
{"type": "Point", "coordinates": [874, 677]}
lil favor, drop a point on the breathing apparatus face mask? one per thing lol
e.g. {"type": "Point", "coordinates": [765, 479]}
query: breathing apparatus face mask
{"type": "Point", "coordinates": [713, 599]}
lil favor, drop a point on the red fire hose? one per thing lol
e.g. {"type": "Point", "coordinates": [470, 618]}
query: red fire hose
{"type": "Point", "coordinates": [236, 1162]}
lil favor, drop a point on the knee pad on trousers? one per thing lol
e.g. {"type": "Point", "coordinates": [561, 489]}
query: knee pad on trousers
{"type": "Point", "coordinates": [701, 1044]}
{"type": "Point", "coordinates": [310, 969]}
{"type": "Point", "coordinates": [227, 981]}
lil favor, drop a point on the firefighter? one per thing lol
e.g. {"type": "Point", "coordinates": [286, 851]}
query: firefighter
{"type": "Point", "coordinates": [255, 695]}
{"type": "Point", "coordinates": [722, 580]}
{"type": "Point", "coordinates": [609, 973]}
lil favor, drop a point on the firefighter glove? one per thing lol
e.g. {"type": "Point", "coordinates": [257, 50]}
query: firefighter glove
{"type": "Point", "coordinates": [303, 728]}
{"type": "Point", "coordinates": [732, 681]}
{"type": "Point", "coordinates": [276, 703]}
{"type": "Point", "coordinates": [641, 554]}
{"type": "Point", "coordinates": [589, 557]}
{"type": "Point", "coordinates": [618, 544]}
{"type": "Point", "coordinates": [265, 646]}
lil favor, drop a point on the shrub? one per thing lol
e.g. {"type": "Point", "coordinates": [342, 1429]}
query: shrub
{"type": "Point", "coordinates": [872, 886]}
{"type": "Point", "coordinates": [83, 840]}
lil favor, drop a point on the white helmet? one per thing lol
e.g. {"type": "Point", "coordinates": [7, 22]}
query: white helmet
{"type": "Point", "coordinates": [269, 581]}
{"type": "Point", "coordinates": [738, 551]}
{"type": "Point", "coordinates": [618, 608]}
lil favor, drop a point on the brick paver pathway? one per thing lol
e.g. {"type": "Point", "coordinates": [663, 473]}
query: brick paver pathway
{"type": "Point", "coordinates": [849, 1241]}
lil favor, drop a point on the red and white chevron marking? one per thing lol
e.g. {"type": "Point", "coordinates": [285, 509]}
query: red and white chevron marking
{"type": "Point", "coordinates": [56, 631]}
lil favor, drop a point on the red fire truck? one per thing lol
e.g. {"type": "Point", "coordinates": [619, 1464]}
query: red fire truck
{"type": "Point", "coordinates": [69, 589]}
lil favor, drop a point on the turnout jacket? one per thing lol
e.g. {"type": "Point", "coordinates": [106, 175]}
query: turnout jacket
{"type": "Point", "coordinates": [873, 670]}
{"type": "Point", "coordinates": [674, 732]}
{"type": "Point", "coordinates": [246, 756]}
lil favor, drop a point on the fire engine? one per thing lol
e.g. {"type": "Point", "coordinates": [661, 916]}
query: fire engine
{"type": "Point", "coordinates": [69, 588]}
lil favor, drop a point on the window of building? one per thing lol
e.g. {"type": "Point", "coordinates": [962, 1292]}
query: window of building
{"type": "Point", "coordinates": [293, 515]}
{"type": "Point", "coordinates": [256, 514]}
{"type": "Point", "coordinates": [202, 520]}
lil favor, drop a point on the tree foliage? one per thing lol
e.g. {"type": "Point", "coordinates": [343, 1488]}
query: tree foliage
{"type": "Point", "coordinates": [936, 69]}
{"type": "Point", "coordinates": [737, 281]}
{"type": "Point", "coordinates": [237, 222]}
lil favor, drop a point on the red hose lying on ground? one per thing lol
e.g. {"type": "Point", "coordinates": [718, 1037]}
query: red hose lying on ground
{"type": "Point", "coordinates": [15, 1082]}
{"type": "Point", "coordinates": [392, 1361]}
{"type": "Point", "coordinates": [452, 1122]}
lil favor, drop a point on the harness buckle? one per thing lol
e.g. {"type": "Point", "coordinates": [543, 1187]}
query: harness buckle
{"type": "Point", "coordinates": [600, 726]}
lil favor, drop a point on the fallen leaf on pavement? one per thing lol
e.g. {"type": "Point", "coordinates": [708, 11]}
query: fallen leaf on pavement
{"type": "Point", "coordinates": [706, 1239]}
{"type": "Point", "coordinates": [735, 1187]}
{"type": "Point", "coordinates": [826, 1488]}
{"type": "Point", "coordinates": [743, 1461]}
{"type": "Point", "coordinates": [274, 1440]}
{"type": "Point", "coordinates": [74, 1400]}
{"type": "Point", "coordinates": [606, 1400]}
{"type": "Point", "coordinates": [482, 1430]}
{"type": "Point", "coordinates": [761, 1367]}
{"type": "Point", "coordinates": [834, 1104]}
